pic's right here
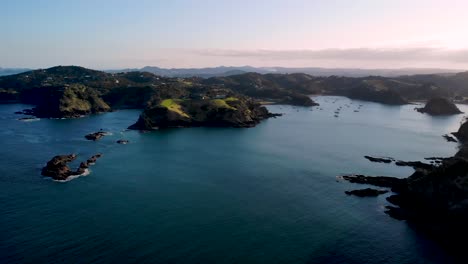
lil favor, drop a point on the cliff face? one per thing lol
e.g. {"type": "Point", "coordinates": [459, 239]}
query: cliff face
{"type": "Point", "coordinates": [440, 106]}
{"type": "Point", "coordinates": [229, 112]}
{"type": "Point", "coordinates": [68, 101]}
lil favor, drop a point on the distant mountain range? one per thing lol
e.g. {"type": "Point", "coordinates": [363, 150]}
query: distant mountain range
{"type": "Point", "coordinates": [224, 71]}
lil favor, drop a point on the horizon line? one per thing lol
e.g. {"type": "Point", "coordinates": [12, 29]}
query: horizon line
{"type": "Point", "coordinates": [231, 66]}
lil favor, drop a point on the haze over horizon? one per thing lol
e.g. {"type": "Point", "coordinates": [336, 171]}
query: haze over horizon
{"type": "Point", "coordinates": [298, 33]}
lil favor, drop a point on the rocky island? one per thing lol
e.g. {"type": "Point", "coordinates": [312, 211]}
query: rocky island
{"type": "Point", "coordinates": [57, 168]}
{"type": "Point", "coordinates": [227, 112]}
{"type": "Point", "coordinates": [439, 106]}
{"type": "Point", "coordinates": [96, 135]}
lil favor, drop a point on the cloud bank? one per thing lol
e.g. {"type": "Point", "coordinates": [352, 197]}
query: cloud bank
{"type": "Point", "coordinates": [355, 54]}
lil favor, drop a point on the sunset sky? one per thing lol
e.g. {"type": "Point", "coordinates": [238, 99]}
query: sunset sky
{"type": "Point", "coordinates": [180, 33]}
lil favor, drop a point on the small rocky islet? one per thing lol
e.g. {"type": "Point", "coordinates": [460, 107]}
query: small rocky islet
{"type": "Point", "coordinates": [123, 141]}
{"type": "Point", "coordinates": [57, 168]}
{"type": "Point", "coordinates": [96, 135]}
{"type": "Point", "coordinates": [439, 106]}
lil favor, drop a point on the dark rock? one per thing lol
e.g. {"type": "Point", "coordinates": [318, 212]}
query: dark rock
{"type": "Point", "coordinates": [58, 169]}
{"type": "Point", "coordinates": [366, 192]}
{"type": "Point", "coordinates": [381, 181]}
{"type": "Point", "coordinates": [83, 167]}
{"type": "Point", "coordinates": [462, 136]}
{"type": "Point", "coordinates": [438, 197]}
{"type": "Point", "coordinates": [394, 199]}
{"type": "Point", "coordinates": [396, 212]}
{"type": "Point", "coordinates": [440, 106]}
{"type": "Point", "coordinates": [122, 141]}
{"type": "Point", "coordinates": [434, 200]}
{"type": "Point", "coordinates": [462, 152]}
{"type": "Point", "coordinates": [379, 160]}
{"type": "Point", "coordinates": [462, 133]}
{"type": "Point", "coordinates": [415, 164]}
{"type": "Point", "coordinates": [93, 159]}
{"type": "Point", "coordinates": [96, 136]}
{"type": "Point", "coordinates": [449, 138]}
{"type": "Point", "coordinates": [436, 158]}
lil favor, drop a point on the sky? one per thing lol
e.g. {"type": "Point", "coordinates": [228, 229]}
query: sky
{"type": "Point", "coordinates": [113, 34]}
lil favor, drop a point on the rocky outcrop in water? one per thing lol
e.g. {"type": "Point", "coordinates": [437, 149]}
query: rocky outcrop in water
{"type": "Point", "coordinates": [434, 198]}
{"type": "Point", "coordinates": [439, 106]}
{"type": "Point", "coordinates": [57, 168]}
{"type": "Point", "coordinates": [380, 181]}
{"type": "Point", "coordinates": [417, 165]}
{"type": "Point", "coordinates": [436, 202]}
{"type": "Point", "coordinates": [379, 160]}
{"type": "Point", "coordinates": [449, 138]}
{"type": "Point", "coordinates": [368, 192]}
{"type": "Point", "coordinates": [96, 135]}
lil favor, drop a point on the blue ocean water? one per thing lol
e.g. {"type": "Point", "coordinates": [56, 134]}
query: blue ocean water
{"type": "Point", "coordinates": [267, 194]}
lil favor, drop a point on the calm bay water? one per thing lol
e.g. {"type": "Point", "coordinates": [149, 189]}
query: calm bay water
{"type": "Point", "coordinates": [267, 194]}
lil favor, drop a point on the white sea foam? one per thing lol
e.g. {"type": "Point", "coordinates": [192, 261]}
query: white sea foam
{"type": "Point", "coordinates": [29, 119]}
{"type": "Point", "coordinates": [86, 173]}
